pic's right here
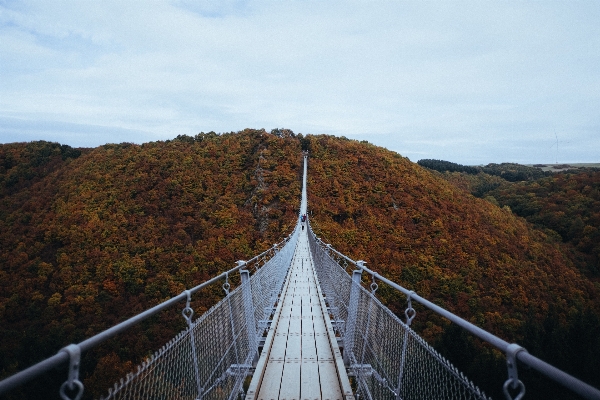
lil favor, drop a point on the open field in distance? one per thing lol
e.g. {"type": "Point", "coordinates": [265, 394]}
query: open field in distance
{"type": "Point", "coordinates": [563, 166]}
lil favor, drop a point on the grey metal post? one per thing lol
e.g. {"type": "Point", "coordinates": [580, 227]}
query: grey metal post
{"type": "Point", "coordinates": [352, 315]}
{"type": "Point", "coordinates": [249, 311]}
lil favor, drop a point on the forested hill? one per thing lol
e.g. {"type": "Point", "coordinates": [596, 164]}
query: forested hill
{"type": "Point", "coordinates": [89, 237]}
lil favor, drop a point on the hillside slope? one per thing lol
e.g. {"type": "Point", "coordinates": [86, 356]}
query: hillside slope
{"type": "Point", "coordinates": [123, 227]}
{"type": "Point", "coordinates": [476, 259]}
{"type": "Point", "coordinates": [567, 203]}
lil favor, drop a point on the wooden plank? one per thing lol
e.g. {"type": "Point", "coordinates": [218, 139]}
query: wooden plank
{"type": "Point", "coordinates": [294, 347]}
{"type": "Point", "coordinates": [310, 387]}
{"type": "Point", "coordinates": [323, 347]}
{"type": "Point", "coordinates": [279, 345]}
{"type": "Point", "coordinates": [290, 387]}
{"type": "Point", "coordinates": [307, 309]}
{"type": "Point", "coordinates": [309, 349]}
{"type": "Point", "coordinates": [330, 386]}
{"type": "Point", "coordinates": [271, 383]}
{"type": "Point", "coordinates": [295, 324]}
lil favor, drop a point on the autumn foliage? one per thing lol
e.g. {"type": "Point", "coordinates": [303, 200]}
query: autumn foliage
{"type": "Point", "coordinates": [479, 260]}
{"type": "Point", "coordinates": [124, 227]}
{"type": "Point", "coordinates": [567, 204]}
{"type": "Point", "coordinates": [94, 237]}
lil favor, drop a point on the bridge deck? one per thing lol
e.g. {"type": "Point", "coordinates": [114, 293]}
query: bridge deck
{"type": "Point", "coordinates": [301, 359]}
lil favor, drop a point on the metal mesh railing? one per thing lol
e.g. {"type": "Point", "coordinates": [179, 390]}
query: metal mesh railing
{"type": "Point", "coordinates": [388, 359]}
{"type": "Point", "coordinates": [204, 361]}
{"type": "Point", "coordinates": [391, 361]}
{"type": "Point", "coordinates": [211, 359]}
{"type": "Point", "coordinates": [267, 282]}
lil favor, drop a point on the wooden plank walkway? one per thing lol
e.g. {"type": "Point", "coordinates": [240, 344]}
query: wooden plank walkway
{"type": "Point", "coordinates": [300, 359]}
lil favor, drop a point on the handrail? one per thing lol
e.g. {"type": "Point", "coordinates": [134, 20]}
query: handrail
{"type": "Point", "coordinates": [63, 357]}
{"type": "Point", "coordinates": [583, 389]}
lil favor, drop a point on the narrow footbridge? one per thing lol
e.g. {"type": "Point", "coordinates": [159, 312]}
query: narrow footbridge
{"type": "Point", "coordinates": [301, 325]}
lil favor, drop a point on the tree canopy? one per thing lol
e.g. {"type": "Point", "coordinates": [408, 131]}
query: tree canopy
{"type": "Point", "coordinates": [89, 237]}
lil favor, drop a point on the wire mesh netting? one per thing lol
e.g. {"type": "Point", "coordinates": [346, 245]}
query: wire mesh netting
{"type": "Point", "coordinates": [387, 358]}
{"type": "Point", "coordinates": [267, 283]}
{"type": "Point", "coordinates": [211, 359]}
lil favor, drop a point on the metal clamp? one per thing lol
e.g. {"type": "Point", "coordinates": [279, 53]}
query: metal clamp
{"type": "Point", "coordinates": [513, 378]}
{"type": "Point", "coordinates": [410, 311]}
{"type": "Point", "coordinates": [73, 381]}
{"type": "Point", "coordinates": [188, 312]}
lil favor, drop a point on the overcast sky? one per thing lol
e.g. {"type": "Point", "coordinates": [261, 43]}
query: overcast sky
{"type": "Point", "coordinates": [467, 81]}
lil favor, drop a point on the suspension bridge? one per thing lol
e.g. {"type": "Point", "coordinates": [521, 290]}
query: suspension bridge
{"type": "Point", "coordinates": [299, 326]}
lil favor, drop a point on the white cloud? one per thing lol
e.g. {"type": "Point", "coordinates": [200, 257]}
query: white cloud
{"type": "Point", "coordinates": [437, 79]}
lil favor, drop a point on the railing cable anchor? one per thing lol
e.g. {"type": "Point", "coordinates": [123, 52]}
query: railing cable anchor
{"type": "Point", "coordinates": [226, 285]}
{"type": "Point", "coordinates": [188, 312]}
{"type": "Point", "coordinates": [374, 285]}
{"type": "Point", "coordinates": [513, 378]}
{"type": "Point", "coordinates": [410, 311]}
{"type": "Point", "coordinates": [73, 381]}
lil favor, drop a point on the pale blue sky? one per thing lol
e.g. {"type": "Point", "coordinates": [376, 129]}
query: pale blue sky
{"type": "Point", "coordinates": [467, 81]}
